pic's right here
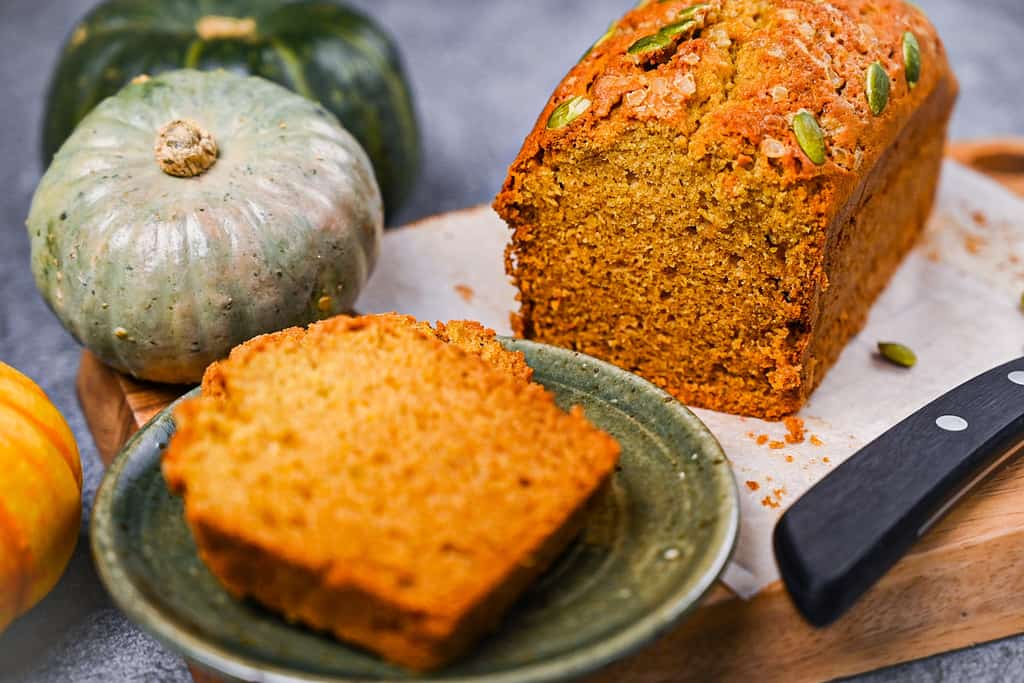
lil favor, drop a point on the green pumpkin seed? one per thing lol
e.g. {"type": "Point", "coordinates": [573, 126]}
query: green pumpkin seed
{"type": "Point", "coordinates": [877, 88]}
{"type": "Point", "coordinates": [911, 58]}
{"type": "Point", "coordinates": [810, 136]}
{"type": "Point", "coordinates": [693, 9]}
{"type": "Point", "coordinates": [898, 354]}
{"type": "Point", "coordinates": [675, 29]}
{"type": "Point", "coordinates": [568, 111]}
{"type": "Point", "coordinates": [607, 34]}
{"type": "Point", "coordinates": [657, 41]}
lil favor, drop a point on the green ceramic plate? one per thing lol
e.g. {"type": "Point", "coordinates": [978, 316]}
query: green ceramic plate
{"type": "Point", "coordinates": [652, 548]}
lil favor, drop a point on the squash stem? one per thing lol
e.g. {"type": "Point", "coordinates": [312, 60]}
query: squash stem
{"type": "Point", "coordinates": [185, 149]}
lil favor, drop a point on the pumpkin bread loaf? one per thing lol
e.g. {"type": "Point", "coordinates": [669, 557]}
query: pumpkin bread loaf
{"type": "Point", "coordinates": [394, 484]}
{"type": "Point", "coordinates": [715, 195]}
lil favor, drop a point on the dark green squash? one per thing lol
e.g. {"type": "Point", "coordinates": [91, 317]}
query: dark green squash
{"type": "Point", "coordinates": [317, 48]}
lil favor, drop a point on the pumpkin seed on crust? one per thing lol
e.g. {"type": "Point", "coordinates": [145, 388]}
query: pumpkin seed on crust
{"type": "Point", "coordinates": [876, 88]}
{"type": "Point", "coordinates": [607, 34]}
{"type": "Point", "coordinates": [693, 9]}
{"type": "Point", "coordinates": [911, 58]}
{"type": "Point", "coordinates": [687, 11]}
{"type": "Point", "coordinates": [679, 27]}
{"type": "Point", "coordinates": [655, 41]}
{"type": "Point", "coordinates": [567, 112]}
{"type": "Point", "coordinates": [809, 136]}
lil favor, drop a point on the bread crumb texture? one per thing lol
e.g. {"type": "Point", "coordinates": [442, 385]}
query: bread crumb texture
{"type": "Point", "coordinates": [675, 226]}
{"type": "Point", "coordinates": [395, 484]}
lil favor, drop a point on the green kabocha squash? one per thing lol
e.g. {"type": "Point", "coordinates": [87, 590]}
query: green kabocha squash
{"type": "Point", "coordinates": [195, 210]}
{"type": "Point", "coordinates": [317, 48]}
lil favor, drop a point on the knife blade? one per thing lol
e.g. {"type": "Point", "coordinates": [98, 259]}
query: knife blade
{"type": "Point", "coordinates": [844, 533]}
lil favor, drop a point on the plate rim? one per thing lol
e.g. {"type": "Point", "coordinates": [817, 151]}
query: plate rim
{"type": "Point", "coordinates": [223, 662]}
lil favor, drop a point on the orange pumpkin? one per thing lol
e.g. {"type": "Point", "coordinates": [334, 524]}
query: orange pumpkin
{"type": "Point", "coordinates": [40, 494]}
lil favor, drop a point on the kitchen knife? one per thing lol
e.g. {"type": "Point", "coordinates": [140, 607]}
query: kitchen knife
{"type": "Point", "coordinates": [850, 528]}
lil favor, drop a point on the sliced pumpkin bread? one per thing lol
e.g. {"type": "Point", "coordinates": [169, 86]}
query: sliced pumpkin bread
{"type": "Point", "coordinates": [395, 484]}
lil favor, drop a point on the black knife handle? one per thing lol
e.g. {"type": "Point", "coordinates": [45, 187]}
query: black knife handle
{"type": "Point", "coordinates": [849, 529]}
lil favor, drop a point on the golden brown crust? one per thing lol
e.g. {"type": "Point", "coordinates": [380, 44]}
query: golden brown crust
{"type": "Point", "coordinates": [451, 479]}
{"type": "Point", "coordinates": [702, 192]}
{"type": "Point", "coordinates": [468, 335]}
{"type": "Point", "coordinates": [475, 338]}
{"type": "Point", "coordinates": [758, 63]}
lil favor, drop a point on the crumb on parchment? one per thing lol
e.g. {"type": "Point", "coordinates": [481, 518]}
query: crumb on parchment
{"type": "Point", "coordinates": [774, 500]}
{"type": "Point", "coordinates": [973, 243]}
{"type": "Point", "coordinates": [795, 430]}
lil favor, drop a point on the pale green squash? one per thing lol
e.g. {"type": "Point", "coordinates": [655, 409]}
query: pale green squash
{"type": "Point", "coordinates": [159, 274]}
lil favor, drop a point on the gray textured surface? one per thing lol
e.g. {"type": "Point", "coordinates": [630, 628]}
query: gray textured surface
{"type": "Point", "coordinates": [482, 71]}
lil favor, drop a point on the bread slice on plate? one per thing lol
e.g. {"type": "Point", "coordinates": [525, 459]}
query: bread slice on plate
{"type": "Point", "coordinates": [395, 484]}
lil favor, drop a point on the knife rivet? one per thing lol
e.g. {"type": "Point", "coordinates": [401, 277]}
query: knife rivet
{"type": "Point", "coordinates": [951, 423]}
{"type": "Point", "coordinates": [1017, 376]}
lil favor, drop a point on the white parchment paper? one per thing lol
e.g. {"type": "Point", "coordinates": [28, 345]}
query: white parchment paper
{"type": "Point", "coordinates": [955, 301]}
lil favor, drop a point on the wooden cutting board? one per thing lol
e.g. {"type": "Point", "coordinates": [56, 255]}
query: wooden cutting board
{"type": "Point", "coordinates": [963, 584]}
